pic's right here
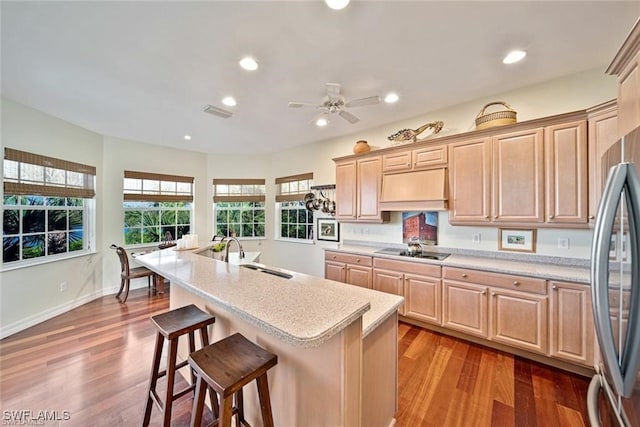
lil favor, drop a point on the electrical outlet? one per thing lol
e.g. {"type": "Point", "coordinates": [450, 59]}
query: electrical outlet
{"type": "Point", "coordinates": [475, 238]}
{"type": "Point", "coordinates": [563, 243]}
{"type": "Point", "coordinates": [63, 286]}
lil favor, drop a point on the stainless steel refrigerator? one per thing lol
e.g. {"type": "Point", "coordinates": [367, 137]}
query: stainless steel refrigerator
{"type": "Point", "coordinates": [614, 392]}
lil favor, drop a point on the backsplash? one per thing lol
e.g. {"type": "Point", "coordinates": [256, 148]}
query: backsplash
{"type": "Point", "coordinates": [471, 238]}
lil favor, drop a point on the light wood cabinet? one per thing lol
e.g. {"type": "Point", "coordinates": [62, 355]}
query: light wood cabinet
{"type": "Point", "coordinates": [629, 97]}
{"type": "Point", "coordinates": [358, 184]}
{"type": "Point", "coordinates": [423, 298]}
{"type": "Point", "coordinates": [465, 308]}
{"type": "Point", "coordinates": [419, 283]}
{"type": "Point", "coordinates": [518, 319]}
{"type": "Point", "coordinates": [518, 190]}
{"type": "Point", "coordinates": [501, 180]}
{"type": "Point", "coordinates": [391, 282]}
{"type": "Point", "coordinates": [503, 308]}
{"type": "Point", "coordinates": [571, 323]}
{"type": "Point", "coordinates": [566, 176]}
{"type": "Point", "coordinates": [422, 158]}
{"type": "Point", "coordinates": [603, 133]}
{"type": "Point", "coordinates": [348, 268]}
{"type": "Point", "coordinates": [626, 66]}
{"type": "Point", "coordinates": [470, 181]}
{"type": "Point", "coordinates": [498, 179]}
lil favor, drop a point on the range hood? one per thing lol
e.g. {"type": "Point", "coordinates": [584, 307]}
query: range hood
{"type": "Point", "coordinates": [415, 190]}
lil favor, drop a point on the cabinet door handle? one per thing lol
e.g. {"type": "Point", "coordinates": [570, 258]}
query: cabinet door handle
{"type": "Point", "coordinates": [591, 217]}
{"type": "Point", "coordinates": [493, 294]}
{"type": "Point", "coordinates": [483, 292]}
{"type": "Point", "coordinates": [495, 217]}
{"type": "Point", "coordinates": [516, 283]}
{"type": "Point", "coordinates": [464, 275]}
{"type": "Point", "coordinates": [554, 287]}
{"type": "Point", "coordinates": [550, 216]}
{"type": "Point", "coordinates": [408, 164]}
{"type": "Point", "coordinates": [334, 257]}
{"type": "Point", "coordinates": [358, 260]}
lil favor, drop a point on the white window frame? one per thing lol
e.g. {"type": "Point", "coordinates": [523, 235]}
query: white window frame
{"type": "Point", "coordinates": [239, 190]}
{"type": "Point", "coordinates": [292, 189]}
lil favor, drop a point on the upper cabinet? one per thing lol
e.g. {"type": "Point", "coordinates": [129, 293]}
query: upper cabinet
{"type": "Point", "coordinates": [358, 185]}
{"type": "Point", "coordinates": [422, 158]}
{"type": "Point", "coordinates": [626, 66]}
{"type": "Point", "coordinates": [533, 177]}
{"type": "Point", "coordinates": [566, 176]}
{"type": "Point", "coordinates": [603, 133]}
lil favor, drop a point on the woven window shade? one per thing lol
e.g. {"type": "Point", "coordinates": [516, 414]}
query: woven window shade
{"type": "Point", "coordinates": [251, 190]}
{"type": "Point", "coordinates": [33, 174]}
{"type": "Point", "coordinates": [149, 187]}
{"type": "Point", "coordinates": [293, 196]}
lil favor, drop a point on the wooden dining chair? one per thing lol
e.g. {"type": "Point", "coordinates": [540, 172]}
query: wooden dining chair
{"type": "Point", "coordinates": [127, 273]}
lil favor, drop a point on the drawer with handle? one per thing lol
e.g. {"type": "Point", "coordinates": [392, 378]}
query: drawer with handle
{"type": "Point", "coordinates": [499, 280]}
{"type": "Point", "coordinates": [348, 258]}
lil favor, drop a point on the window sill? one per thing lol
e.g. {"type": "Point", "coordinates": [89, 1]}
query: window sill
{"type": "Point", "coordinates": [40, 261]}
{"type": "Point", "coordinates": [301, 241]}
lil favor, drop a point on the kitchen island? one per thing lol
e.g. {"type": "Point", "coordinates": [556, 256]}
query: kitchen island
{"type": "Point", "coordinates": [336, 344]}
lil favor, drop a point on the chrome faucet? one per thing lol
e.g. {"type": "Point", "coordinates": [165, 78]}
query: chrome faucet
{"type": "Point", "coordinates": [226, 249]}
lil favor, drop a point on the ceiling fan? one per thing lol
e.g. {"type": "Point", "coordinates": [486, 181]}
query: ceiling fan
{"type": "Point", "coordinates": [334, 103]}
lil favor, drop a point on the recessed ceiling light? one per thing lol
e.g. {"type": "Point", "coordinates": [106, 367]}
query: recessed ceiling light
{"type": "Point", "coordinates": [248, 63]}
{"type": "Point", "coordinates": [337, 4]}
{"type": "Point", "coordinates": [391, 98]}
{"type": "Point", "coordinates": [229, 101]}
{"type": "Point", "coordinates": [322, 122]}
{"type": "Point", "coordinates": [514, 56]}
{"type": "Point", "coordinates": [187, 137]}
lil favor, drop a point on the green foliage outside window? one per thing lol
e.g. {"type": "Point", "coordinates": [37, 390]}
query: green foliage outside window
{"type": "Point", "coordinates": [38, 226]}
{"type": "Point", "coordinates": [296, 222]}
{"type": "Point", "coordinates": [242, 219]}
{"type": "Point", "coordinates": [154, 222]}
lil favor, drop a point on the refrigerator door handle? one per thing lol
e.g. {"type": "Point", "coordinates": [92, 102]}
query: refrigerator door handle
{"type": "Point", "coordinates": [600, 273]}
{"type": "Point", "coordinates": [631, 352]}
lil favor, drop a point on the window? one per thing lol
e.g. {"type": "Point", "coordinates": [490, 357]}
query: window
{"type": "Point", "coordinates": [239, 207]}
{"type": "Point", "coordinates": [157, 207]}
{"type": "Point", "coordinates": [294, 220]}
{"type": "Point", "coordinates": [48, 207]}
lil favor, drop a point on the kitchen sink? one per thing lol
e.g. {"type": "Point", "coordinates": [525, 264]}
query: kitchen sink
{"type": "Point", "coordinates": [267, 270]}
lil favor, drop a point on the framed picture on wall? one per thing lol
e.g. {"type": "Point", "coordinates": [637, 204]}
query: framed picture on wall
{"type": "Point", "coordinates": [519, 240]}
{"type": "Point", "coordinates": [328, 229]}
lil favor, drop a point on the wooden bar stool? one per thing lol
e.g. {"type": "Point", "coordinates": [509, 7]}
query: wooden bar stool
{"type": "Point", "coordinates": [226, 366]}
{"type": "Point", "coordinates": [171, 326]}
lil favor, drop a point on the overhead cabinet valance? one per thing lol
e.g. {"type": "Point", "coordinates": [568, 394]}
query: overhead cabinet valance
{"type": "Point", "coordinates": [417, 190]}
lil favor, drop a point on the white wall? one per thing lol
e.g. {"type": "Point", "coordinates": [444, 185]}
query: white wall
{"type": "Point", "coordinates": [29, 294]}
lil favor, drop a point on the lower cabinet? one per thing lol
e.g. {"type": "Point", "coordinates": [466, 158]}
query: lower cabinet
{"type": "Point", "coordinates": [571, 325]}
{"type": "Point", "coordinates": [507, 309]}
{"type": "Point", "coordinates": [418, 283]}
{"type": "Point", "coordinates": [347, 268]}
{"type": "Point", "coordinates": [551, 318]}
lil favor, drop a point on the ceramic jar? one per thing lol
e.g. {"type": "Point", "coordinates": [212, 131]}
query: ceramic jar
{"type": "Point", "coordinates": [361, 146]}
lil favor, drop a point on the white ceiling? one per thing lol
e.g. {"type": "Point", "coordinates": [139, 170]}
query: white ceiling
{"type": "Point", "coordinates": [144, 70]}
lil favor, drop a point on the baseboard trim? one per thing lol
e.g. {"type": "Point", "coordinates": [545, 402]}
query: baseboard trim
{"type": "Point", "coordinates": [8, 330]}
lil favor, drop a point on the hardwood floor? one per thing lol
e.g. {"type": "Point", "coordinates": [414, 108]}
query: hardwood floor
{"type": "Point", "coordinates": [94, 363]}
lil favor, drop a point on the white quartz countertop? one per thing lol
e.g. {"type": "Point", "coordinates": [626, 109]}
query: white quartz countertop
{"type": "Point", "coordinates": [303, 311]}
{"type": "Point", "coordinates": [498, 265]}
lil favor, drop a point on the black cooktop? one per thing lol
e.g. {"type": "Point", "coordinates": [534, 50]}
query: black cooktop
{"type": "Point", "coordinates": [425, 255]}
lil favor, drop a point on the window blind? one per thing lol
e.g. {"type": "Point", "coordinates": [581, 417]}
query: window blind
{"type": "Point", "coordinates": [238, 190]}
{"type": "Point", "coordinates": [33, 174]}
{"type": "Point", "coordinates": [155, 187]}
{"type": "Point", "coordinates": [293, 188]}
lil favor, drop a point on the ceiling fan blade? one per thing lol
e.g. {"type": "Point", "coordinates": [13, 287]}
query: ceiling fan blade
{"type": "Point", "coordinates": [349, 117]}
{"type": "Point", "coordinates": [370, 100]}
{"type": "Point", "coordinates": [303, 104]}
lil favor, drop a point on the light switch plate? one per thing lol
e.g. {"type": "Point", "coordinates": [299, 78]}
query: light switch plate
{"type": "Point", "coordinates": [475, 238]}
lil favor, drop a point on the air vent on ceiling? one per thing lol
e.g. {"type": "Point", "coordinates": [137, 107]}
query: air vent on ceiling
{"type": "Point", "coordinates": [217, 111]}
